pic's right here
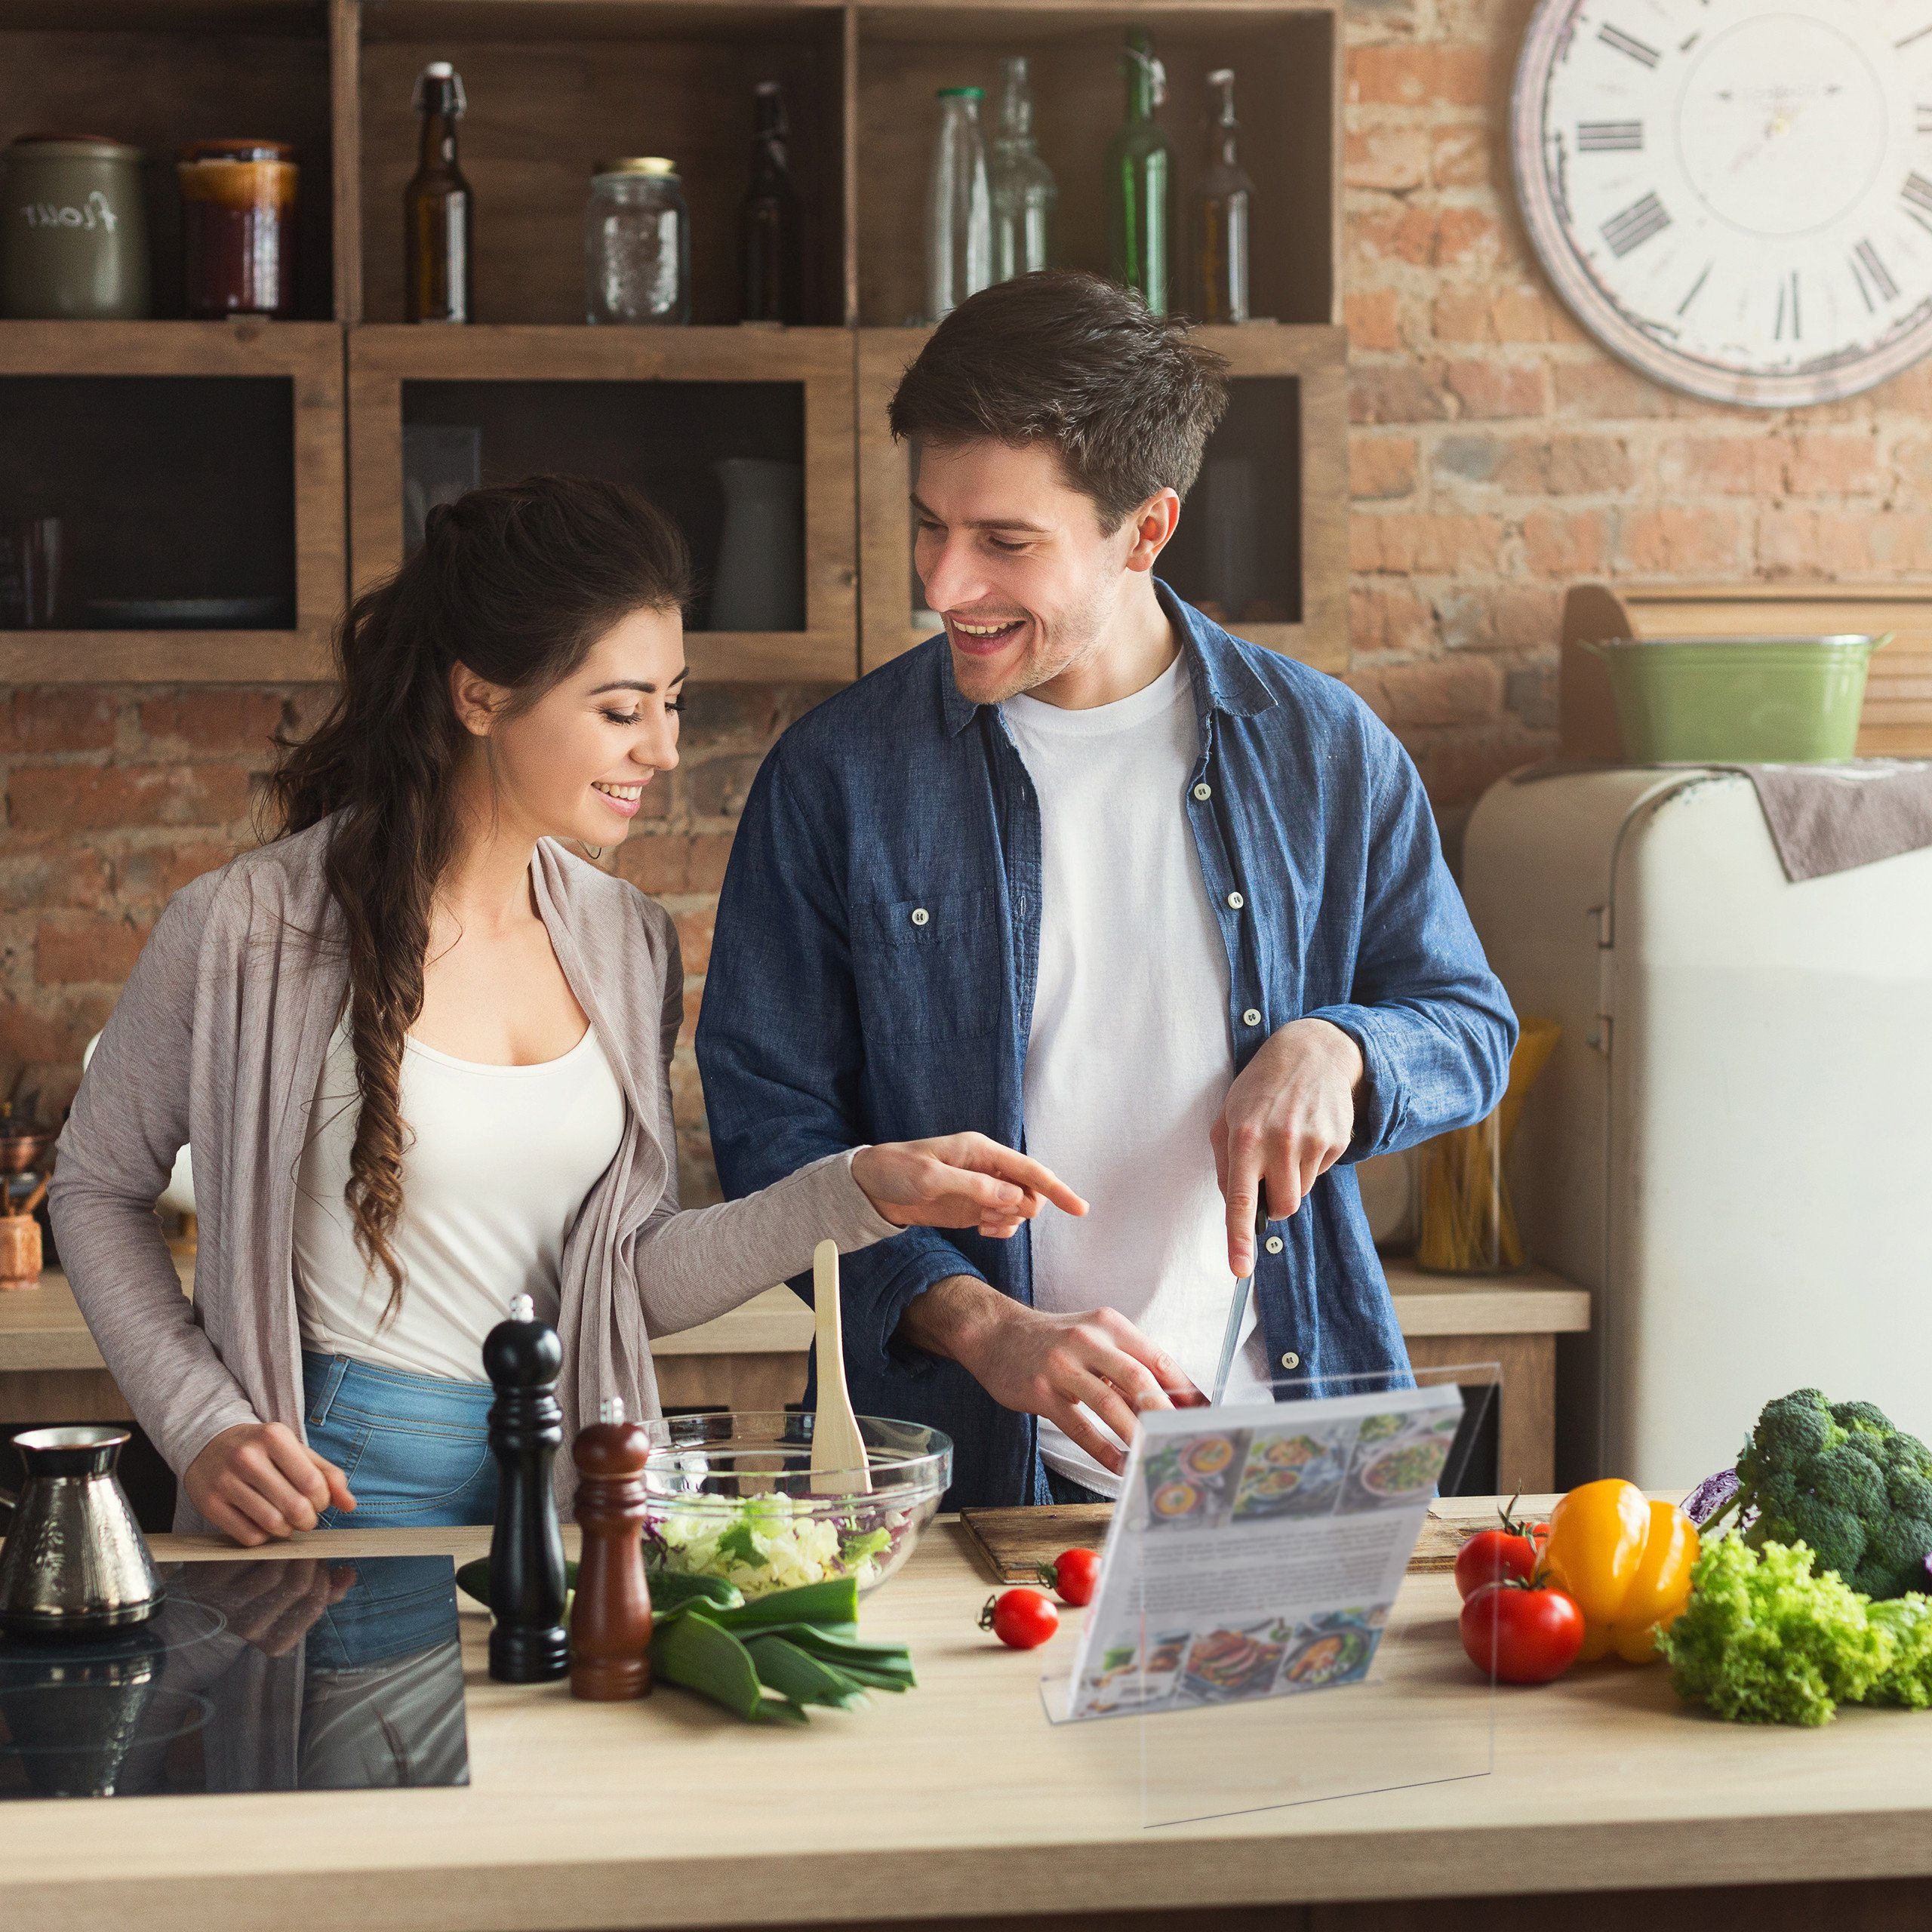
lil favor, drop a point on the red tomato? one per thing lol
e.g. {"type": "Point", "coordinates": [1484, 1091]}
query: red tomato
{"type": "Point", "coordinates": [1073, 1575]}
{"type": "Point", "coordinates": [1521, 1636]}
{"type": "Point", "coordinates": [1493, 1556]}
{"type": "Point", "coordinates": [1021, 1619]}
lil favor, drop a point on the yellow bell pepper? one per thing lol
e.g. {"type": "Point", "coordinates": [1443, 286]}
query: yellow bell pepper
{"type": "Point", "coordinates": [1626, 1560]}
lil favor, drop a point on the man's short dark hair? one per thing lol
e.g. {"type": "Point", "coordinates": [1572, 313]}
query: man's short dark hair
{"type": "Point", "coordinates": [1123, 396]}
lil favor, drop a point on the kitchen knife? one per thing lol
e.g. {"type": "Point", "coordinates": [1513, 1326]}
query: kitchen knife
{"type": "Point", "coordinates": [1237, 1309]}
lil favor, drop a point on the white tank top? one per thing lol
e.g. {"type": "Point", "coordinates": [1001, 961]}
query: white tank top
{"type": "Point", "coordinates": [496, 1162]}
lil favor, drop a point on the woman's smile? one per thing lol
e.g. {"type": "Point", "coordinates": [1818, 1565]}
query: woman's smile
{"type": "Point", "coordinates": [624, 799]}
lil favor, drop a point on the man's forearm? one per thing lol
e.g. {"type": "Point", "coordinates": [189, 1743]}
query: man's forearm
{"type": "Point", "coordinates": [950, 1318]}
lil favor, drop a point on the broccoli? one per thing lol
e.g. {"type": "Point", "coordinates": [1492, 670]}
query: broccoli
{"type": "Point", "coordinates": [1839, 1478]}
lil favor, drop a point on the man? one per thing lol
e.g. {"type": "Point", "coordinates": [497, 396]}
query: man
{"type": "Point", "coordinates": [1089, 871]}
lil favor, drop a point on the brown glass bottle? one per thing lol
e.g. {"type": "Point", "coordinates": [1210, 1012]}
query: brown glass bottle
{"type": "Point", "coordinates": [1221, 212]}
{"type": "Point", "coordinates": [773, 265]}
{"type": "Point", "coordinates": [437, 207]}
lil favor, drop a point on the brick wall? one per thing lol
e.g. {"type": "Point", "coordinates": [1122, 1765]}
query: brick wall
{"type": "Point", "coordinates": [1496, 454]}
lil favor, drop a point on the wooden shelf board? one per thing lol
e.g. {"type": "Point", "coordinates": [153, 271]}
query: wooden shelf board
{"type": "Point", "coordinates": [305, 17]}
{"type": "Point", "coordinates": [41, 1328]}
{"type": "Point", "coordinates": [912, 20]}
{"type": "Point", "coordinates": [1534, 1302]}
{"type": "Point", "coordinates": [163, 657]}
{"type": "Point", "coordinates": [548, 351]}
{"type": "Point", "coordinates": [765, 657]}
{"type": "Point", "coordinates": [409, 20]}
{"type": "Point", "coordinates": [253, 346]}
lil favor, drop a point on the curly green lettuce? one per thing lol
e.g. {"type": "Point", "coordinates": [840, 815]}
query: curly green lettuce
{"type": "Point", "coordinates": [1766, 1640]}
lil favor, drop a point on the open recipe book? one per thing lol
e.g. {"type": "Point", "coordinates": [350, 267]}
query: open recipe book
{"type": "Point", "coordinates": [1257, 1548]}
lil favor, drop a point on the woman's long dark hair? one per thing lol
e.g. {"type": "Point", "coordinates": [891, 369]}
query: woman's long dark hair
{"type": "Point", "coordinates": [517, 585]}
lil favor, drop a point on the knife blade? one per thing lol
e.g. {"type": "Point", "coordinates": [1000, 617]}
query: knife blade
{"type": "Point", "coordinates": [1237, 1308]}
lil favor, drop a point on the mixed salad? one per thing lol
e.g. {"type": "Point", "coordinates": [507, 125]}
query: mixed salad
{"type": "Point", "coordinates": [763, 1543]}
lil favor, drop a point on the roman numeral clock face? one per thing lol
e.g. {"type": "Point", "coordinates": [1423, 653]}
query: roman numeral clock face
{"type": "Point", "coordinates": [1735, 196]}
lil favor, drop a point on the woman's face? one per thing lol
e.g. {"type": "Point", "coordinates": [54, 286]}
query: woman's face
{"type": "Point", "coordinates": [575, 764]}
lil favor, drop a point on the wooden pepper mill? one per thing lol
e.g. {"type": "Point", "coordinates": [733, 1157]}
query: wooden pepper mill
{"type": "Point", "coordinates": [522, 1358]}
{"type": "Point", "coordinates": [611, 1616]}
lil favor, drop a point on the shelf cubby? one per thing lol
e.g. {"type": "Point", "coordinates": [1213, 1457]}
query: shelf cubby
{"type": "Point", "coordinates": [186, 459]}
{"type": "Point", "coordinates": [1284, 60]}
{"type": "Point", "coordinates": [160, 73]}
{"type": "Point", "coordinates": [656, 408]}
{"type": "Point", "coordinates": [553, 88]}
{"type": "Point", "coordinates": [1283, 440]}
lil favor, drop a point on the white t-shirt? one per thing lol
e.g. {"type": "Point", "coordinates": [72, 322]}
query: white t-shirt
{"type": "Point", "coordinates": [496, 1162]}
{"type": "Point", "coordinates": [1129, 1060]}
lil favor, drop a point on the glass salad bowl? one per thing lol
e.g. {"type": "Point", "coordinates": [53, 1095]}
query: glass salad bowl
{"type": "Point", "coordinates": [734, 1496]}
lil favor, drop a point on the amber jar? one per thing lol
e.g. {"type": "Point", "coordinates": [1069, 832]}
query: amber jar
{"type": "Point", "coordinates": [238, 228]}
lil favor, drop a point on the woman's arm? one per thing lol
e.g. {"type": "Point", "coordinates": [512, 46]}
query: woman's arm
{"type": "Point", "coordinates": [128, 1121]}
{"type": "Point", "coordinates": [693, 1266]}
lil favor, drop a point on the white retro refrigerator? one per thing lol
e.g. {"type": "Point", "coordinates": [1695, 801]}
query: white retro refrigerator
{"type": "Point", "coordinates": [1733, 1145]}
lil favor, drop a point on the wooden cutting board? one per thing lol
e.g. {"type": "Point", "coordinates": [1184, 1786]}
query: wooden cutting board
{"type": "Point", "coordinates": [1012, 1544]}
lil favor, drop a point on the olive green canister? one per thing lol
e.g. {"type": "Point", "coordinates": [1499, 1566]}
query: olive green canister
{"type": "Point", "coordinates": [74, 238]}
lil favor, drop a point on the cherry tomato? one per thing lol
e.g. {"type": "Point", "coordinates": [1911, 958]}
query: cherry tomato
{"type": "Point", "coordinates": [1073, 1576]}
{"type": "Point", "coordinates": [1507, 1553]}
{"type": "Point", "coordinates": [1493, 1556]}
{"type": "Point", "coordinates": [1021, 1619]}
{"type": "Point", "coordinates": [1521, 1634]}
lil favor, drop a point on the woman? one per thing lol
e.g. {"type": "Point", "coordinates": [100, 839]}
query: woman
{"type": "Point", "coordinates": [420, 1053]}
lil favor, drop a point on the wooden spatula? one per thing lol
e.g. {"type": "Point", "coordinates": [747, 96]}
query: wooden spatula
{"type": "Point", "coordinates": [838, 1448]}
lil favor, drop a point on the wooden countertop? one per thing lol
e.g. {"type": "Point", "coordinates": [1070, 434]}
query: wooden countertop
{"type": "Point", "coordinates": [961, 1797]}
{"type": "Point", "coordinates": [42, 1329]}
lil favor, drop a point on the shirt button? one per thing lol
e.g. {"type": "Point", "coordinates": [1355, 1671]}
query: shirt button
{"type": "Point", "coordinates": [1273, 1244]}
{"type": "Point", "coordinates": [1236, 901]}
{"type": "Point", "coordinates": [1204, 792]}
{"type": "Point", "coordinates": [921, 916]}
{"type": "Point", "coordinates": [1252, 1017]}
{"type": "Point", "coordinates": [1291, 1360]}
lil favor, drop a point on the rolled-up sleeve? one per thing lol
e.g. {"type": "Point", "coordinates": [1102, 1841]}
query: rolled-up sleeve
{"type": "Point", "coordinates": [1434, 1026]}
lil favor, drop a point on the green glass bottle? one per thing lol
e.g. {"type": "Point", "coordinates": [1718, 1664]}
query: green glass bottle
{"type": "Point", "coordinates": [1140, 183]}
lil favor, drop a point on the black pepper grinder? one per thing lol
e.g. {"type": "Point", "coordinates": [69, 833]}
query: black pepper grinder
{"type": "Point", "coordinates": [522, 1357]}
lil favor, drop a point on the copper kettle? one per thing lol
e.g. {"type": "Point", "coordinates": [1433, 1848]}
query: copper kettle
{"type": "Point", "coordinates": [75, 1560]}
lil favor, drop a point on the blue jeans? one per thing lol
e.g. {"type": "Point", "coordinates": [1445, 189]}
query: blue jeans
{"type": "Point", "coordinates": [415, 1448]}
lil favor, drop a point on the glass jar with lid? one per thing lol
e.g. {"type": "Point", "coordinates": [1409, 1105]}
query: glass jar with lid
{"type": "Point", "coordinates": [637, 243]}
{"type": "Point", "coordinates": [238, 228]}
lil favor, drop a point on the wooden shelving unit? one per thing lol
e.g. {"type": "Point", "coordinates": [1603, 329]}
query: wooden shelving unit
{"type": "Point", "coordinates": [554, 85]}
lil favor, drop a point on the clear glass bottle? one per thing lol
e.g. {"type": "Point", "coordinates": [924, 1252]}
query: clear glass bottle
{"type": "Point", "coordinates": [439, 209]}
{"type": "Point", "coordinates": [771, 259]}
{"type": "Point", "coordinates": [959, 225]}
{"type": "Point", "coordinates": [1022, 184]}
{"type": "Point", "coordinates": [637, 243]}
{"type": "Point", "coordinates": [1221, 206]}
{"type": "Point", "coordinates": [1140, 183]}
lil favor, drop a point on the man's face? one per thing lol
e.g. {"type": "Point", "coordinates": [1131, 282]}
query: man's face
{"type": "Point", "coordinates": [1013, 559]}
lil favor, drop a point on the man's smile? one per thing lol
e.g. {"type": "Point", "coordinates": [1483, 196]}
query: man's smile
{"type": "Point", "coordinates": [983, 639]}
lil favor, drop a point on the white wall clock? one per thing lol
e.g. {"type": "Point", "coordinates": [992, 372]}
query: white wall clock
{"type": "Point", "coordinates": [1735, 196]}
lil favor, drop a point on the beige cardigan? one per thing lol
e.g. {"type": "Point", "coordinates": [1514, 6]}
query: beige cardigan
{"type": "Point", "coordinates": [217, 1043]}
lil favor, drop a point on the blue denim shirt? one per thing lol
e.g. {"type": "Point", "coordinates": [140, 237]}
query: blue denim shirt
{"type": "Point", "coordinates": [833, 1016]}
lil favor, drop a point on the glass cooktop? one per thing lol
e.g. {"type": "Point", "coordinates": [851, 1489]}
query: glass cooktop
{"type": "Point", "coordinates": [296, 1673]}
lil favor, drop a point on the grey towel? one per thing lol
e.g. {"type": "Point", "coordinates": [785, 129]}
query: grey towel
{"type": "Point", "coordinates": [1828, 818]}
{"type": "Point", "coordinates": [1822, 818]}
